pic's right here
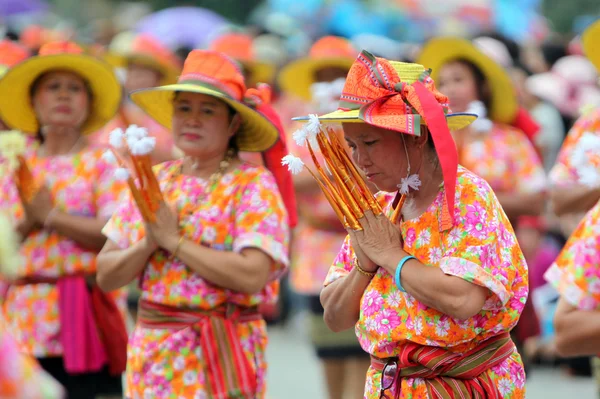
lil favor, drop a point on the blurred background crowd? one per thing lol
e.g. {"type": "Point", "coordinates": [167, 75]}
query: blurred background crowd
{"type": "Point", "coordinates": [536, 41]}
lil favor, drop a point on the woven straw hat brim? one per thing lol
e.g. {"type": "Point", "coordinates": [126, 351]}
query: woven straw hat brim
{"type": "Point", "coordinates": [298, 76]}
{"type": "Point", "coordinates": [455, 121]}
{"type": "Point", "coordinates": [438, 52]}
{"type": "Point", "coordinates": [591, 43]}
{"type": "Point", "coordinates": [256, 134]}
{"type": "Point", "coordinates": [17, 110]}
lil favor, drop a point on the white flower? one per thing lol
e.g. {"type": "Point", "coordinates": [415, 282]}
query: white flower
{"type": "Point", "coordinates": [143, 146]}
{"type": "Point", "coordinates": [293, 163]}
{"type": "Point", "coordinates": [116, 138]}
{"type": "Point", "coordinates": [313, 127]}
{"type": "Point", "coordinates": [121, 174]}
{"type": "Point", "coordinates": [109, 157]}
{"type": "Point", "coordinates": [409, 182]}
{"type": "Point", "coordinates": [190, 378]}
{"type": "Point", "coordinates": [505, 386]}
{"type": "Point", "coordinates": [300, 136]}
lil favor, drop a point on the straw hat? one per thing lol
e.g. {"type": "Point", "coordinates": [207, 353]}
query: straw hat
{"type": "Point", "coordinates": [591, 45]}
{"type": "Point", "coordinates": [214, 74]}
{"type": "Point", "coordinates": [15, 100]}
{"type": "Point", "coordinates": [11, 53]}
{"type": "Point", "coordinates": [401, 97]}
{"type": "Point", "coordinates": [146, 50]}
{"type": "Point", "coordinates": [240, 47]}
{"type": "Point", "coordinates": [331, 51]}
{"type": "Point", "coordinates": [440, 51]}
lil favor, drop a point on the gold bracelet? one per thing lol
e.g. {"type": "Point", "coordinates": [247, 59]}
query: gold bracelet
{"type": "Point", "coordinates": [174, 254]}
{"type": "Point", "coordinates": [363, 271]}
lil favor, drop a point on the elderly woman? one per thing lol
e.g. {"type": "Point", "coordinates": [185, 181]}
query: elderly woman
{"type": "Point", "coordinates": [214, 253]}
{"type": "Point", "coordinates": [52, 307]}
{"type": "Point", "coordinates": [433, 298]}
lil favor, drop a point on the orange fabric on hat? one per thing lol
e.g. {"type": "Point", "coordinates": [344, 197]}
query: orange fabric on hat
{"type": "Point", "coordinates": [215, 69]}
{"type": "Point", "coordinates": [235, 45]}
{"type": "Point", "coordinates": [60, 47]}
{"type": "Point", "coordinates": [332, 46]}
{"type": "Point", "coordinates": [148, 46]}
{"type": "Point", "coordinates": [33, 37]}
{"type": "Point", "coordinates": [12, 53]}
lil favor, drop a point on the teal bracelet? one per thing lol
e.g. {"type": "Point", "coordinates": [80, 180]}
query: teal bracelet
{"type": "Point", "coordinates": [399, 270]}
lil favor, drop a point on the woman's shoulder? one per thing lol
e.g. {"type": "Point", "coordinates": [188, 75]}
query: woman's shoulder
{"type": "Point", "coordinates": [471, 187]}
{"type": "Point", "coordinates": [509, 134]}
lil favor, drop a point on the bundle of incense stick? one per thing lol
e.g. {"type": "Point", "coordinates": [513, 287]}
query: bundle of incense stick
{"type": "Point", "coordinates": [12, 147]}
{"type": "Point", "coordinates": [137, 145]}
{"type": "Point", "coordinates": [339, 179]}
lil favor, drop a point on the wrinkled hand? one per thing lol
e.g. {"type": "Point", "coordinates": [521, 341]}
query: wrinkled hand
{"type": "Point", "coordinates": [40, 206]}
{"type": "Point", "coordinates": [165, 230]}
{"type": "Point", "coordinates": [363, 260]}
{"type": "Point", "coordinates": [379, 239]}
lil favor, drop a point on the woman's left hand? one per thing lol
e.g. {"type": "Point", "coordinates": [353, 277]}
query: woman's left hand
{"type": "Point", "coordinates": [40, 206]}
{"type": "Point", "coordinates": [379, 239]}
{"type": "Point", "coordinates": [165, 230]}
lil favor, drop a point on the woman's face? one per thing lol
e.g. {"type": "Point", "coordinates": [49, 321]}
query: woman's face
{"type": "Point", "coordinates": [380, 154]}
{"type": "Point", "coordinates": [62, 99]}
{"type": "Point", "coordinates": [141, 77]}
{"type": "Point", "coordinates": [202, 125]}
{"type": "Point", "coordinates": [456, 80]}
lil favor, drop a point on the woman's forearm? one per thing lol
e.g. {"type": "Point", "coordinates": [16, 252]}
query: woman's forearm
{"type": "Point", "coordinates": [573, 198]}
{"type": "Point", "coordinates": [239, 272]}
{"type": "Point", "coordinates": [341, 301]}
{"type": "Point", "coordinates": [118, 267]}
{"type": "Point", "coordinates": [516, 205]}
{"type": "Point", "coordinates": [577, 331]}
{"type": "Point", "coordinates": [448, 294]}
{"type": "Point", "coordinates": [86, 231]}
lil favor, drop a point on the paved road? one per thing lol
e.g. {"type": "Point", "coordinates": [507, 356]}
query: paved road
{"type": "Point", "coordinates": [294, 372]}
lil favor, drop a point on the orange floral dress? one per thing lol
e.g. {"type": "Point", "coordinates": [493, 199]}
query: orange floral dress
{"type": "Point", "coordinates": [506, 159]}
{"type": "Point", "coordinates": [482, 249]}
{"type": "Point", "coordinates": [243, 210]}
{"type": "Point", "coordinates": [80, 184]}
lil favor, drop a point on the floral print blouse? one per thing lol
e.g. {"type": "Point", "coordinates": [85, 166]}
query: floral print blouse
{"type": "Point", "coordinates": [482, 249]}
{"type": "Point", "coordinates": [80, 184]}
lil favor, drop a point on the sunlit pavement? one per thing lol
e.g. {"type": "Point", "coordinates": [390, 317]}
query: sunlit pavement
{"type": "Point", "coordinates": [294, 372]}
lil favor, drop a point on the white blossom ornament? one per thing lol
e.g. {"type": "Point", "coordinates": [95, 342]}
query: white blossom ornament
{"type": "Point", "coordinates": [294, 164]}
{"type": "Point", "coordinates": [410, 182]}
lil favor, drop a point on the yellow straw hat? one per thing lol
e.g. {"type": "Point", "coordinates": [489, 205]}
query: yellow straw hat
{"type": "Point", "coordinates": [331, 51]}
{"type": "Point", "coordinates": [15, 101]}
{"type": "Point", "coordinates": [214, 74]}
{"type": "Point", "coordinates": [591, 43]}
{"type": "Point", "coordinates": [440, 51]}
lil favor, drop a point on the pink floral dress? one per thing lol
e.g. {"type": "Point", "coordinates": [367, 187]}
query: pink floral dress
{"type": "Point", "coordinates": [482, 249]}
{"type": "Point", "coordinates": [243, 210]}
{"type": "Point", "coordinates": [80, 184]}
{"type": "Point", "coordinates": [576, 271]}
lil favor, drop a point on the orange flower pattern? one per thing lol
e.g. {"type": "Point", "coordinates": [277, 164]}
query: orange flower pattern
{"type": "Point", "coordinates": [81, 184]}
{"type": "Point", "coordinates": [482, 249]}
{"type": "Point", "coordinates": [506, 159]}
{"type": "Point", "coordinates": [244, 209]}
{"type": "Point", "coordinates": [576, 271]}
{"type": "Point", "coordinates": [564, 172]}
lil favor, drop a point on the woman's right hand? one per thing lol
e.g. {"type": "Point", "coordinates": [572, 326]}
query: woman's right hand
{"type": "Point", "coordinates": [363, 260]}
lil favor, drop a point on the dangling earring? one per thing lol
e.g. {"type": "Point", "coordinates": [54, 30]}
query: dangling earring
{"type": "Point", "coordinates": [410, 181]}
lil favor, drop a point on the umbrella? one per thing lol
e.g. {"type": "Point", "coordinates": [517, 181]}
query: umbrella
{"type": "Point", "coordinates": [13, 7]}
{"type": "Point", "coordinates": [182, 26]}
